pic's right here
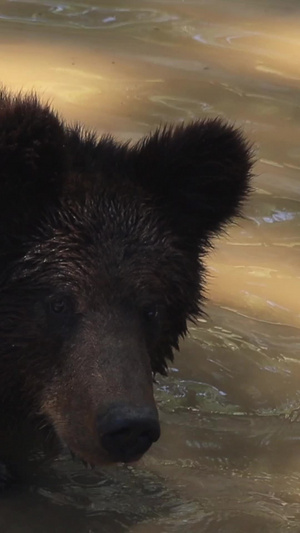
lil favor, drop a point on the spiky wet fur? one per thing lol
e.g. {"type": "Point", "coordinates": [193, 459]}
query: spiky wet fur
{"type": "Point", "coordinates": [119, 232]}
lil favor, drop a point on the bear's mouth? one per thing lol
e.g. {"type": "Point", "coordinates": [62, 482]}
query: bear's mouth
{"type": "Point", "coordinates": [89, 465]}
{"type": "Point", "coordinates": [86, 464]}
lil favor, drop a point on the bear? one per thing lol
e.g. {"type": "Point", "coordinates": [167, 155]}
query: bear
{"type": "Point", "coordinates": [102, 247]}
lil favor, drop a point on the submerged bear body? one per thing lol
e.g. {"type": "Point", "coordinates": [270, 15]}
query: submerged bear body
{"type": "Point", "coordinates": [101, 249]}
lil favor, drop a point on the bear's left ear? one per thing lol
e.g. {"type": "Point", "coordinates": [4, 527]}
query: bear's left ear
{"type": "Point", "coordinates": [199, 174]}
{"type": "Point", "coordinates": [32, 152]}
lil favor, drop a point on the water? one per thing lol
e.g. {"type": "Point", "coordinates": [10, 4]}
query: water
{"type": "Point", "coordinates": [229, 456]}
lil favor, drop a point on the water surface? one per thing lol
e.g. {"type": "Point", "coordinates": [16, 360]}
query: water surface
{"type": "Point", "coordinates": [229, 457]}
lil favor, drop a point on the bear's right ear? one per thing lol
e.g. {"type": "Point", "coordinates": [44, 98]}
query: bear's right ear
{"type": "Point", "coordinates": [198, 174]}
{"type": "Point", "coordinates": [32, 154]}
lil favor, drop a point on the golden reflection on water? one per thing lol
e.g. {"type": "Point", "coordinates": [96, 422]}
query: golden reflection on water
{"type": "Point", "coordinates": [228, 459]}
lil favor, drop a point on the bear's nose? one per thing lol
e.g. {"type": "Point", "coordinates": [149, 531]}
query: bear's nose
{"type": "Point", "coordinates": [126, 433]}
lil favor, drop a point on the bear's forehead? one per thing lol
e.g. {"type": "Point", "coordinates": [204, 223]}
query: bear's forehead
{"type": "Point", "coordinates": [113, 234]}
{"type": "Point", "coordinates": [102, 240]}
{"type": "Point", "coordinates": [106, 244]}
{"type": "Point", "coordinates": [106, 217]}
{"type": "Point", "coordinates": [134, 271]}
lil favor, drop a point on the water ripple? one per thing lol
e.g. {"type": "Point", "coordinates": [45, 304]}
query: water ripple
{"type": "Point", "coordinates": [77, 15]}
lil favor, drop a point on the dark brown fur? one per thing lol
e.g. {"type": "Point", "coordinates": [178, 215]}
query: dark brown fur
{"type": "Point", "coordinates": [101, 248]}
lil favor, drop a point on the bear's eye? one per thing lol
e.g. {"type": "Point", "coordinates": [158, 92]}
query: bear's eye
{"type": "Point", "coordinates": [58, 304]}
{"type": "Point", "coordinates": [151, 313]}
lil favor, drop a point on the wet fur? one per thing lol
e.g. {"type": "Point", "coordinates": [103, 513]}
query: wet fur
{"type": "Point", "coordinates": [118, 233]}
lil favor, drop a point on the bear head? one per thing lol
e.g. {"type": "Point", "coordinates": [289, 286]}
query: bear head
{"type": "Point", "coordinates": [101, 266]}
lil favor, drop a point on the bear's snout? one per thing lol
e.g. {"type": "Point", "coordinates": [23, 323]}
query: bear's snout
{"type": "Point", "coordinates": [126, 433]}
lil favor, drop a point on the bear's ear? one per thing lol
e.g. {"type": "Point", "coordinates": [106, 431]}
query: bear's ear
{"type": "Point", "coordinates": [199, 174]}
{"type": "Point", "coordinates": [32, 153]}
